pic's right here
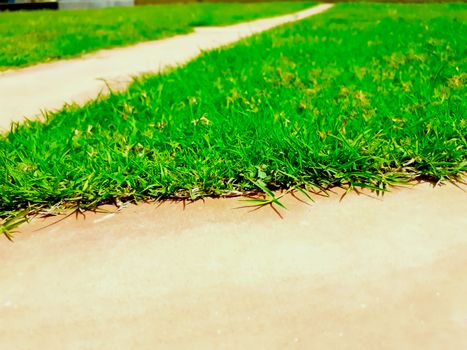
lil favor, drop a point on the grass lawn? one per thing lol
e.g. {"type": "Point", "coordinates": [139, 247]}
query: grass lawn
{"type": "Point", "coordinates": [362, 95]}
{"type": "Point", "coordinates": [32, 37]}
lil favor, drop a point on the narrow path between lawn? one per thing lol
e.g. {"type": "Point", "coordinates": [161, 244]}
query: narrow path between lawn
{"type": "Point", "coordinates": [27, 92]}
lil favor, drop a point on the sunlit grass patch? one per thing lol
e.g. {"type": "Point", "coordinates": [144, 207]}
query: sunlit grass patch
{"type": "Point", "coordinates": [361, 96]}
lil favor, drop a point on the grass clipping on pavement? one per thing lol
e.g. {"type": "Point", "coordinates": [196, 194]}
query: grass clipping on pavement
{"type": "Point", "coordinates": [365, 95]}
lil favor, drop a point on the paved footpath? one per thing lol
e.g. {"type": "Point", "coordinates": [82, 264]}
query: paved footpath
{"type": "Point", "coordinates": [361, 273]}
{"type": "Point", "coordinates": [27, 92]}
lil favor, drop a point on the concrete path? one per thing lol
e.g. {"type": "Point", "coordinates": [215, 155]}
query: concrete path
{"type": "Point", "coordinates": [361, 273]}
{"type": "Point", "coordinates": [26, 92]}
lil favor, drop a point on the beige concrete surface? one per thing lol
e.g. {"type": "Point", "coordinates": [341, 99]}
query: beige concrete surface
{"type": "Point", "coordinates": [27, 92]}
{"type": "Point", "coordinates": [361, 273]}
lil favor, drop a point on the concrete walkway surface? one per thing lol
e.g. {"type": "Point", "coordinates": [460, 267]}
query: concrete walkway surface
{"type": "Point", "coordinates": [27, 92]}
{"type": "Point", "coordinates": [361, 273]}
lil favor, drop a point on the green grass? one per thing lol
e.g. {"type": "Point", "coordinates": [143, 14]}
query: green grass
{"type": "Point", "coordinates": [363, 95]}
{"type": "Point", "coordinates": [32, 37]}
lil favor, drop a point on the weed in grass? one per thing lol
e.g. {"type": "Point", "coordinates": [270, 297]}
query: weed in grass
{"type": "Point", "coordinates": [270, 200]}
{"type": "Point", "coordinates": [365, 95]}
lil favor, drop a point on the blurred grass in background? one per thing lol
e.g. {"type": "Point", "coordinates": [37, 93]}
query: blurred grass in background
{"type": "Point", "coordinates": [29, 37]}
{"type": "Point", "coordinates": [149, 2]}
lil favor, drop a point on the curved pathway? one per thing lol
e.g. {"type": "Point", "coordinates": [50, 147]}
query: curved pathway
{"type": "Point", "coordinates": [27, 92]}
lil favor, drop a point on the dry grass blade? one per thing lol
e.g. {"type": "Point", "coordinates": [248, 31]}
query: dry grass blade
{"type": "Point", "coordinates": [8, 226]}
